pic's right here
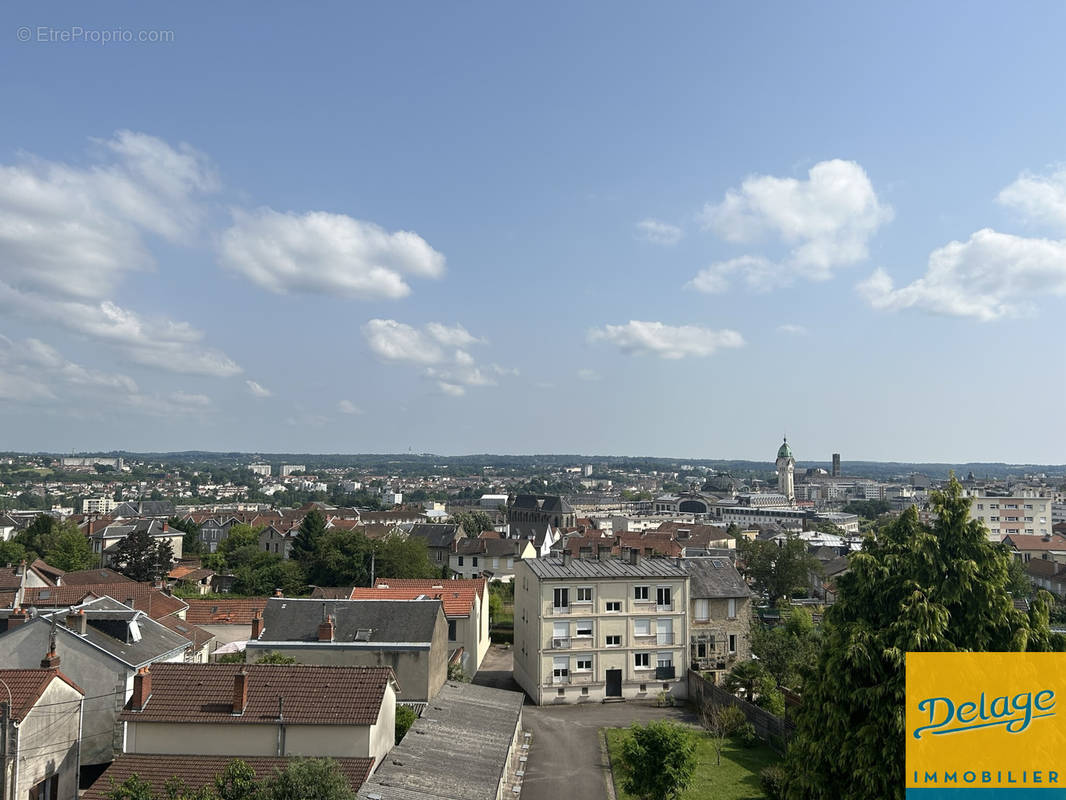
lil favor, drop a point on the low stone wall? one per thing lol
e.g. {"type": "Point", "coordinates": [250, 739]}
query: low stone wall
{"type": "Point", "coordinates": [774, 730]}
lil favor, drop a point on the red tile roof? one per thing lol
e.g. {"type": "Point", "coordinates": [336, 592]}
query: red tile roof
{"type": "Point", "coordinates": [456, 602]}
{"type": "Point", "coordinates": [199, 771]}
{"type": "Point", "coordinates": [198, 636]}
{"type": "Point", "coordinates": [142, 596]}
{"type": "Point", "coordinates": [89, 576]}
{"type": "Point", "coordinates": [27, 686]}
{"type": "Point", "coordinates": [1025, 542]}
{"type": "Point", "coordinates": [238, 611]}
{"type": "Point", "coordinates": [311, 694]}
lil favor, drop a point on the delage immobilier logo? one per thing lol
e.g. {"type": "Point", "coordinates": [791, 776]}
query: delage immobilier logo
{"type": "Point", "coordinates": [981, 721]}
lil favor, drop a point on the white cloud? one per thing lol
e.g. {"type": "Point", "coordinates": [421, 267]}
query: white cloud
{"type": "Point", "coordinates": [323, 253]}
{"type": "Point", "coordinates": [434, 347]}
{"type": "Point", "coordinates": [759, 273]}
{"type": "Point", "coordinates": [258, 389]}
{"type": "Point", "coordinates": [36, 362]}
{"type": "Point", "coordinates": [69, 235]}
{"type": "Point", "coordinates": [666, 341]}
{"type": "Point", "coordinates": [792, 329]}
{"type": "Point", "coordinates": [990, 276]}
{"type": "Point", "coordinates": [1038, 198]}
{"type": "Point", "coordinates": [657, 232]}
{"type": "Point", "coordinates": [588, 375]}
{"type": "Point", "coordinates": [348, 407]}
{"type": "Point", "coordinates": [826, 221]}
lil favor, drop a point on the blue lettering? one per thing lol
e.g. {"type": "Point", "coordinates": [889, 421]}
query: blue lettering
{"type": "Point", "coordinates": [930, 777]}
{"type": "Point", "coordinates": [1003, 710]}
{"type": "Point", "coordinates": [1039, 703]}
{"type": "Point", "coordinates": [1052, 777]}
{"type": "Point", "coordinates": [969, 777]}
{"type": "Point", "coordinates": [931, 704]}
{"type": "Point", "coordinates": [951, 777]}
{"type": "Point", "coordinates": [1022, 702]}
{"type": "Point", "coordinates": [969, 709]}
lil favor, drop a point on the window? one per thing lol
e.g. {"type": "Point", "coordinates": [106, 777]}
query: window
{"type": "Point", "coordinates": [474, 561]}
{"type": "Point", "coordinates": [1028, 519]}
{"type": "Point", "coordinates": [703, 610]}
{"type": "Point", "coordinates": [451, 630]}
{"type": "Point", "coordinates": [642, 661]}
{"type": "Point", "coordinates": [460, 561]}
{"type": "Point", "coordinates": [584, 594]}
{"type": "Point", "coordinates": [642, 627]}
{"type": "Point", "coordinates": [561, 598]}
{"type": "Point", "coordinates": [584, 627]}
{"type": "Point", "coordinates": [640, 593]}
{"type": "Point", "coordinates": [614, 641]}
{"type": "Point", "coordinates": [584, 664]}
{"type": "Point", "coordinates": [994, 519]}
{"type": "Point", "coordinates": [732, 611]}
{"type": "Point", "coordinates": [663, 597]}
{"type": "Point", "coordinates": [584, 690]}
{"type": "Point", "coordinates": [439, 554]}
{"type": "Point", "coordinates": [732, 643]}
{"type": "Point", "coordinates": [701, 650]}
{"type": "Point", "coordinates": [993, 505]}
{"type": "Point", "coordinates": [1029, 506]}
{"type": "Point", "coordinates": [665, 660]}
{"type": "Point", "coordinates": [664, 631]}
{"type": "Point", "coordinates": [560, 692]}
{"type": "Point", "coordinates": [613, 605]}
{"type": "Point", "coordinates": [980, 506]}
{"type": "Point", "coordinates": [48, 789]}
{"type": "Point", "coordinates": [561, 669]}
{"type": "Point", "coordinates": [510, 563]}
{"type": "Point", "coordinates": [495, 563]}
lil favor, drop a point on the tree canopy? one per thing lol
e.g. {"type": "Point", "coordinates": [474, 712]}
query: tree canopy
{"type": "Point", "coordinates": [917, 587]}
{"type": "Point", "coordinates": [778, 571]}
{"type": "Point", "coordinates": [140, 557]}
{"type": "Point", "coordinates": [659, 760]}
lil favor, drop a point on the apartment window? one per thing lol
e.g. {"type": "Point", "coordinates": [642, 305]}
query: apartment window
{"type": "Point", "coordinates": [703, 610]}
{"type": "Point", "coordinates": [584, 594]}
{"type": "Point", "coordinates": [732, 610]}
{"type": "Point", "coordinates": [663, 597]}
{"type": "Point", "coordinates": [560, 634]}
{"type": "Point", "coordinates": [642, 627]}
{"type": "Point", "coordinates": [980, 506]}
{"type": "Point", "coordinates": [1028, 530]}
{"type": "Point", "coordinates": [613, 605]}
{"type": "Point", "coordinates": [994, 519]}
{"type": "Point", "coordinates": [642, 661]}
{"type": "Point", "coordinates": [1029, 505]}
{"type": "Point", "coordinates": [584, 664]}
{"type": "Point", "coordinates": [584, 690]}
{"type": "Point", "coordinates": [48, 789]}
{"type": "Point", "coordinates": [439, 555]}
{"type": "Point", "coordinates": [701, 650]}
{"type": "Point", "coordinates": [993, 505]}
{"type": "Point", "coordinates": [732, 643]}
{"type": "Point", "coordinates": [561, 669]}
{"type": "Point", "coordinates": [460, 561]}
{"type": "Point", "coordinates": [664, 631]}
{"type": "Point", "coordinates": [665, 660]}
{"type": "Point", "coordinates": [510, 563]}
{"type": "Point", "coordinates": [474, 561]}
{"type": "Point", "coordinates": [643, 687]}
{"type": "Point", "coordinates": [1028, 519]}
{"type": "Point", "coordinates": [451, 630]}
{"type": "Point", "coordinates": [584, 627]}
{"type": "Point", "coordinates": [561, 598]}
{"type": "Point", "coordinates": [640, 593]}
{"type": "Point", "coordinates": [614, 641]}
{"type": "Point", "coordinates": [560, 692]}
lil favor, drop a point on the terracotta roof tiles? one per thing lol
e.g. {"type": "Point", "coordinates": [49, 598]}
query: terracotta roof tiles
{"type": "Point", "coordinates": [238, 611]}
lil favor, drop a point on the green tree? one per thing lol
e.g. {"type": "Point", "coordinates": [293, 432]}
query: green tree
{"type": "Point", "coordinates": [915, 588]}
{"type": "Point", "coordinates": [778, 571]}
{"type": "Point", "coordinates": [69, 549]}
{"type": "Point", "coordinates": [237, 537]}
{"type": "Point", "coordinates": [11, 552]}
{"type": "Point", "coordinates": [659, 760]}
{"type": "Point", "coordinates": [789, 650]}
{"type": "Point", "coordinates": [403, 557]}
{"type": "Point", "coordinates": [472, 522]}
{"type": "Point", "coordinates": [341, 558]}
{"type": "Point", "coordinates": [405, 718]}
{"type": "Point", "coordinates": [275, 658]}
{"type": "Point", "coordinates": [191, 543]}
{"type": "Point", "coordinates": [237, 782]}
{"type": "Point", "coordinates": [140, 557]}
{"type": "Point", "coordinates": [267, 572]}
{"type": "Point", "coordinates": [312, 528]}
{"type": "Point", "coordinates": [303, 778]}
{"type": "Point", "coordinates": [133, 788]}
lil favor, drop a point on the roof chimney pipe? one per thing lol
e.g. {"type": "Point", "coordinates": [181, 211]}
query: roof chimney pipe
{"type": "Point", "coordinates": [76, 621]}
{"type": "Point", "coordinates": [142, 689]}
{"type": "Point", "coordinates": [257, 625]}
{"type": "Point", "coordinates": [240, 691]}
{"type": "Point", "coordinates": [325, 630]}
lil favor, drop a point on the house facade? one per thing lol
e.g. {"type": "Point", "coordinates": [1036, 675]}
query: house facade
{"type": "Point", "coordinates": [40, 760]}
{"type": "Point", "coordinates": [588, 629]}
{"type": "Point", "coordinates": [720, 610]}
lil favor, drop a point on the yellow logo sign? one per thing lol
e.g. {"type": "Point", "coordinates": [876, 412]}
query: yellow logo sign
{"type": "Point", "coordinates": [985, 720]}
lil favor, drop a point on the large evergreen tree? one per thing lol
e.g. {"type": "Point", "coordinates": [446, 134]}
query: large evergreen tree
{"type": "Point", "coordinates": [140, 557]}
{"type": "Point", "coordinates": [312, 528]}
{"type": "Point", "coordinates": [916, 588]}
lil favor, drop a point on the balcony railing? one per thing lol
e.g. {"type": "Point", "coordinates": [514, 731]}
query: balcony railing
{"type": "Point", "coordinates": [664, 673]}
{"type": "Point", "coordinates": [561, 643]}
{"type": "Point", "coordinates": [664, 606]}
{"type": "Point", "coordinates": [557, 610]}
{"type": "Point", "coordinates": [664, 638]}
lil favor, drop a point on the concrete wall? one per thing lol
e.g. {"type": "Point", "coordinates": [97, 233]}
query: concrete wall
{"type": "Point", "coordinates": [47, 742]}
{"type": "Point", "coordinates": [106, 682]}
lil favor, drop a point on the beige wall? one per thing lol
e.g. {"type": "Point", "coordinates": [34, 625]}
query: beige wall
{"type": "Point", "coordinates": [248, 739]}
{"type": "Point", "coordinates": [720, 626]}
{"type": "Point", "coordinates": [543, 635]}
{"type": "Point", "coordinates": [48, 742]}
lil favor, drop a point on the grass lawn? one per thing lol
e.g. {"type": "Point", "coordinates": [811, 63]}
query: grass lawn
{"type": "Point", "coordinates": [736, 779]}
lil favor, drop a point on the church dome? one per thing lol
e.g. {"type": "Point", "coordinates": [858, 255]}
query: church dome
{"type": "Point", "coordinates": [784, 451]}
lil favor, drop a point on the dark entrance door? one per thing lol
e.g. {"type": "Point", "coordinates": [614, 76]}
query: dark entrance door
{"type": "Point", "coordinates": [614, 683]}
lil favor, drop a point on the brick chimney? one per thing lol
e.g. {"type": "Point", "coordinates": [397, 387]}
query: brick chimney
{"type": "Point", "coordinates": [76, 621]}
{"type": "Point", "coordinates": [21, 568]}
{"type": "Point", "coordinates": [278, 593]}
{"type": "Point", "coordinates": [165, 526]}
{"type": "Point", "coordinates": [50, 661]}
{"type": "Point", "coordinates": [257, 625]}
{"type": "Point", "coordinates": [325, 630]}
{"type": "Point", "coordinates": [17, 617]}
{"type": "Point", "coordinates": [240, 691]}
{"type": "Point", "coordinates": [142, 689]}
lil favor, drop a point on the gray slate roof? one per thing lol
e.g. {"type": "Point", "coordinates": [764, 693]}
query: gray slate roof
{"type": "Point", "coordinates": [554, 567]}
{"type": "Point", "coordinates": [155, 640]}
{"type": "Point", "coordinates": [548, 503]}
{"type": "Point", "coordinates": [145, 508]}
{"type": "Point", "coordinates": [435, 535]}
{"type": "Point", "coordinates": [457, 750]}
{"type": "Point", "coordinates": [714, 578]}
{"type": "Point", "coordinates": [296, 620]}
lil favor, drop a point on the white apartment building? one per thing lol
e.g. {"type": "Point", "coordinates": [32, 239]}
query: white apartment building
{"type": "Point", "coordinates": [1025, 513]}
{"type": "Point", "coordinates": [590, 629]}
{"type": "Point", "coordinates": [260, 469]}
{"type": "Point", "coordinates": [98, 505]}
{"type": "Point", "coordinates": [289, 469]}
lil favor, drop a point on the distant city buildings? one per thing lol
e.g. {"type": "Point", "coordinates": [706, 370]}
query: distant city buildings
{"type": "Point", "coordinates": [260, 469]}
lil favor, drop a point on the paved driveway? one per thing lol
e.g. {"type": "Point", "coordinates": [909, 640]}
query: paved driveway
{"type": "Point", "coordinates": [565, 758]}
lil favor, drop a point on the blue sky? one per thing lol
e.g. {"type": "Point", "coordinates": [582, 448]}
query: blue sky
{"type": "Point", "coordinates": [599, 228]}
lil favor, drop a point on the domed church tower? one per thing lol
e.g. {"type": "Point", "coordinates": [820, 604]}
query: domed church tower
{"type": "Point", "coordinates": [786, 465]}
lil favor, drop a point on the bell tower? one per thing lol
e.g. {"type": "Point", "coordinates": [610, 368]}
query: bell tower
{"type": "Point", "coordinates": [786, 466]}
